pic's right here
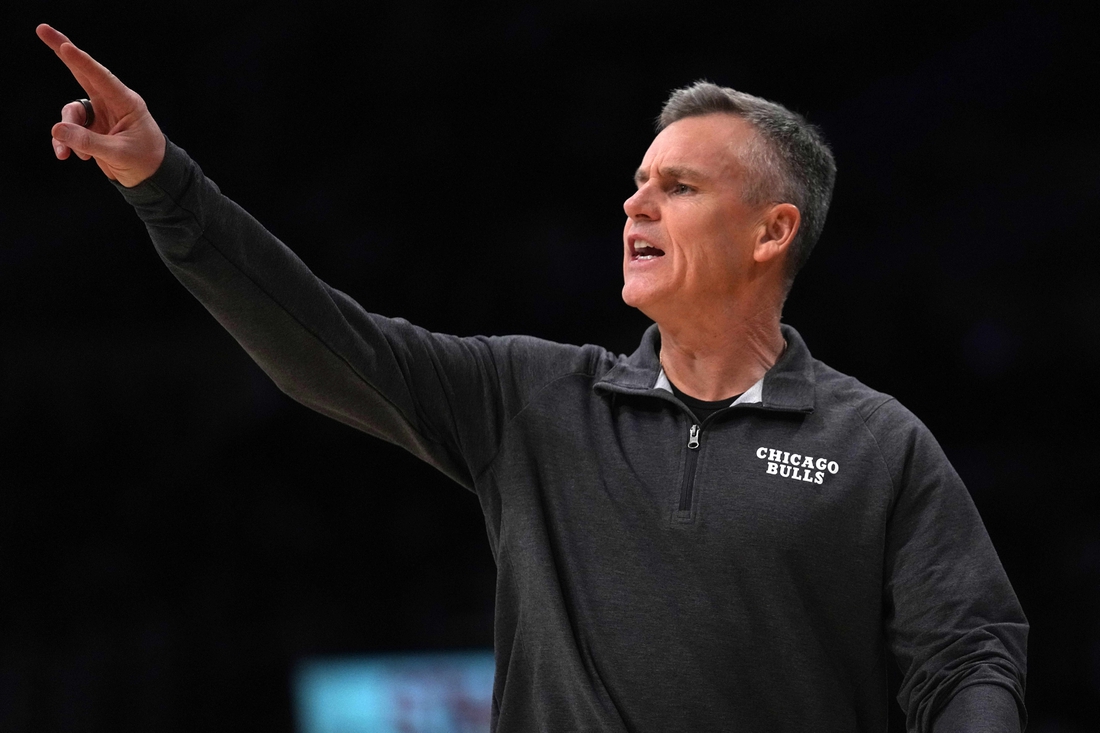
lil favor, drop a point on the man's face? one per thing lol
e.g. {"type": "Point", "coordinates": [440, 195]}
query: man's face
{"type": "Point", "coordinates": [688, 241]}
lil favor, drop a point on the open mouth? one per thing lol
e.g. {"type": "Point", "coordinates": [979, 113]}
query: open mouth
{"type": "Point", "coordinates": [640, 250]}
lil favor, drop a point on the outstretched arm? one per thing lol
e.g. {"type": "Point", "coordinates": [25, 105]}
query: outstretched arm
{"type": "Point", "coordinates": [437, 396]}
{"type": "Point", "coordinates": [124, 139]}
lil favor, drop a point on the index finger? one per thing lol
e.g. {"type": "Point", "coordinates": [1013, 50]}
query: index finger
{"type": "Point", "coordinates": [90, 74]}
{"type": "Point", "coordinates": [51, 36]}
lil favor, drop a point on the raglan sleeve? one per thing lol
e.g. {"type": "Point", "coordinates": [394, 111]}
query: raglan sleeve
{"type": "Point", "coordinates": [381, 375]}
{"type": "Point", "coordinates": [953, 622]}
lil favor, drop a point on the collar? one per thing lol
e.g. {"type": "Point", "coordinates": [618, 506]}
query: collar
{"type": "Point", "coordinates": [751, 396]}
{"type": "Point", "coordinates": [788, 386]}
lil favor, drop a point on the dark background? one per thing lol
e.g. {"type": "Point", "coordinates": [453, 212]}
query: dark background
{"type": "Point", "coordinates": [176, 533]}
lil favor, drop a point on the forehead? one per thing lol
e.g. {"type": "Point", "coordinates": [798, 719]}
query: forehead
{"type": "Point", "coordinates": [713, 144]}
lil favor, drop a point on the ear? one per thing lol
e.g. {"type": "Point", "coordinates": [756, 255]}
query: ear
{"type": "Point", "coordinates": [778, 227]}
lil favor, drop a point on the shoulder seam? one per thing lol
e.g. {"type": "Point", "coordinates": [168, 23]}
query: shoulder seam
{"type": "Point", "coordinates": [878, 446]}
{"type": "Point", "coordinates": [492, 459]}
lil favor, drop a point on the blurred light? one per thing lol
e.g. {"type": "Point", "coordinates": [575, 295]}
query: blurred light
{"type": "Point", "coordinates": [396, 693]}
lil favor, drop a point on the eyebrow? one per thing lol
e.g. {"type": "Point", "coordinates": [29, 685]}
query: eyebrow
{"type": "Point", "coordinates": [674, 171]}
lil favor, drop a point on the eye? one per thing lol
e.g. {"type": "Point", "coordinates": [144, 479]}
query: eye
{"type": "Point", "coordinates": [680, 188]}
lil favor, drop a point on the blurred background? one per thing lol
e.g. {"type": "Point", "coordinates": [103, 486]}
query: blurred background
{"type": "Point", "coordinates": [177, 536]}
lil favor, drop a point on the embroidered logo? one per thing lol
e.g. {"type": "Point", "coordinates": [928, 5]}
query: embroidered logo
{"type": "Point", "coordinates": [796, 466]}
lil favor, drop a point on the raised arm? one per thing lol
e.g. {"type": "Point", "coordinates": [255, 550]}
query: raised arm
{"type": "Point", "coordinates": [438, 396]}
{"type": "Point", "coordinates": [123, 138]}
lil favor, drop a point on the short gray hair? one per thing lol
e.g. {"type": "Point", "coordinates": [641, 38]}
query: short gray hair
{"type": "Point", "coordinates": [789, 163]}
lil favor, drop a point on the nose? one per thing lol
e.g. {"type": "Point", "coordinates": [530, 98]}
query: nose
{"type": "Point", "coordinates": [641, 204]}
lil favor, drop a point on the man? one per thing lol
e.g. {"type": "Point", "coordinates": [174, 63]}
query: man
{"type": "Point", "coordinates": [717, 532]}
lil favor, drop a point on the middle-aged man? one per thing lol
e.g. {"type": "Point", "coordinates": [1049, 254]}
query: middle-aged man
{"type": "Point", "coordinates": [717, 532]}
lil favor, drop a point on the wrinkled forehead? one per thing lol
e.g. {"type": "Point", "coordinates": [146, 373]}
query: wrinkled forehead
{"type": "Point", "coordinates": [716, 143]}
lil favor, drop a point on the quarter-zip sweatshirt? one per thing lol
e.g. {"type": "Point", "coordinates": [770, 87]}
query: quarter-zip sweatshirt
{"type": "Point", "coordinates": [755, 572]}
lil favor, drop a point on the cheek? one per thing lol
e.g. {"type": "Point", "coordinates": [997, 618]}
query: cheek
{"type": "Point", "coordinates": [714, 254]}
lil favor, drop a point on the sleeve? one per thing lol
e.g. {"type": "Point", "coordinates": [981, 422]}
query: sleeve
{"type": "Point", "coordinates": [383, 376]}
{"type": "Point", "coordinates": [953, 622]}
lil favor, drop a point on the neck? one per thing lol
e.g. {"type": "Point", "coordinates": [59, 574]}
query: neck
{"type": "Point", "coordinates": [715, 358]}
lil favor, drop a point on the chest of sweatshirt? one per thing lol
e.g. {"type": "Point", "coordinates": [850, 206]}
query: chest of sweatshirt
{"type": "Point", "coordinates": [608, 488]}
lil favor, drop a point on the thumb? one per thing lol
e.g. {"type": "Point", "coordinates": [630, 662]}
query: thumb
{"type": "Point", "coordinates": [83, 141]}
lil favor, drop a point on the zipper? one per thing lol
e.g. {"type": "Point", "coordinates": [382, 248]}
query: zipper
{"type": "Point", "coordinates": [687, 489]}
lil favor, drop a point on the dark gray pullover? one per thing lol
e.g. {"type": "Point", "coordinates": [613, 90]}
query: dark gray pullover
{"type": "Point", "coordinates": [754, 573]}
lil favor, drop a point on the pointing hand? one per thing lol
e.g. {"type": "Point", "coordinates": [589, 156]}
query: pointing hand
{"type": "Point", "coordinates": [123, 138]}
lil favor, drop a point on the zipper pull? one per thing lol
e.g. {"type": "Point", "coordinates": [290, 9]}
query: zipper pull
{"type": "Point", "coordinates": [693, 438]}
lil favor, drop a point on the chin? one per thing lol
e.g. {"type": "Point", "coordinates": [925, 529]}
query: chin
{"type": "Point", "coordinates": [631, 296]}
{"type": "Point", "coordinates": [639, 298]}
